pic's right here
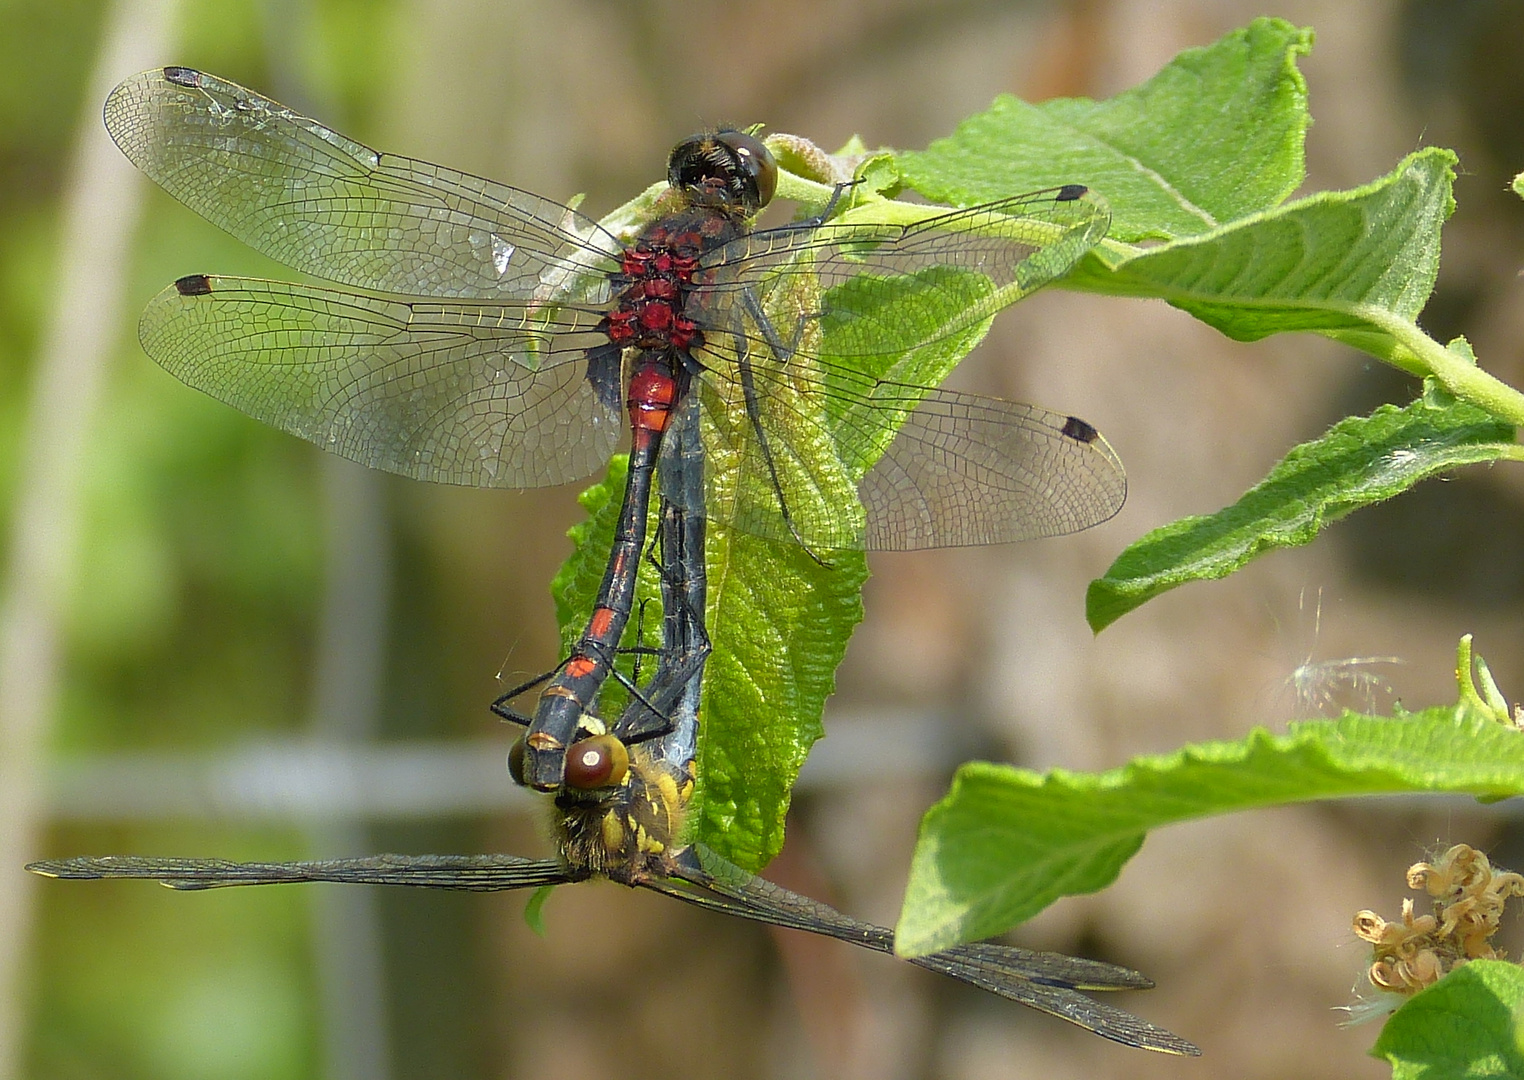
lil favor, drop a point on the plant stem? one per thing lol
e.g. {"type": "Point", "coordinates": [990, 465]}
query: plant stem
{"type": "Point", "coordinates": [1463, 379]}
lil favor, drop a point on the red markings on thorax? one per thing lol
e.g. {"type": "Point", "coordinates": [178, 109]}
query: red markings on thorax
{"type": "Point", "coordinates": [658, 270]}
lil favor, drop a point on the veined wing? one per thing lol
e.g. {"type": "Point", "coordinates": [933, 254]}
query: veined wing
{"type": "Point", "coordinates": [1045, 981]}
{"type": "Point", "coordinates": [458, 392]}
{"type": "Point", "coordinates": [1104, 1019]}
{"type": "Point", "coordinates": [329, 206]}
{"type": "Point", "coordinates": [485, 873]}
{"type": "Point", "coordinates": [964, 469]}
{"type": "Point", "coordinates": [838, 460]}
{"type": "Point", "coordinates": [821, 344]}
{"type": "Point", "coordinates": [888, 290]}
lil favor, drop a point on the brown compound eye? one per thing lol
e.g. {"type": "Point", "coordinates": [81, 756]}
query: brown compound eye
{"type": "Point", "coordinates": [601, 761]}
{"type": "Point", "coordinates": [728, 169]}
{"type": "Point", "coordinates": [756, 165]}
{"type": "Point", "coordinates": [516, 761]}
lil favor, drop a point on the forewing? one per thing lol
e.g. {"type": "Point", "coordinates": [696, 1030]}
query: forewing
{"type": "Point", "coordinates": [1045, 981]}
{"type": "Point", "coordinates": [486, 873]}
{"type": "Point", "coordinates": [821, 343]}
{"type": "Point", "coordinates": [887, 291]}
{"type": "Point", "coordinates": [332, 207]}
{"type": "Point", "coordinates": [480, 394]}
{"type": "Point", "coordinates": [1104, 1019]}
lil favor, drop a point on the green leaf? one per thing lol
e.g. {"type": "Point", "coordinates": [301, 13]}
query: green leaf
{"type": "Point", "coordinates": [1344, 264]}
{"type": "Point", "coordinates": [779, 623]}
{"type": "Point", "coordinates": [1216, 135]}
{"type": "Point", "coordinates": [1201, 157]}
{"type": "Point", "coordinates": [534, 909]}
{"type": "Point", "coordinates": [1467, 1026]}
{"type": "Point", "coordinates": [1006, 842]}
{"type": "Point", "coordinates": [1360, 461]}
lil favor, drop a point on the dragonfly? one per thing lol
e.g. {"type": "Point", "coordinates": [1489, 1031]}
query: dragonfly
{"type": "Point", "coordinates": [623, 820]}
{"type": "Point", "coordinates": [475, 333]}
{"type": "Point", "coordinates": [668, 708]}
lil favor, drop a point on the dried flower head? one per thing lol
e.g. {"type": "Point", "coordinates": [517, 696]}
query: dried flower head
{"type": "Point", "coordinates": [1467, 909]}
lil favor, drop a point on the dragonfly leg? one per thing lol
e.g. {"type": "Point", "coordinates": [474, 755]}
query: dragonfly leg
{"type": "Point", "coordinates": [830, 207]}
{"type": "Point", "coordinates": [754, 411]}
{"type": "Point", "coordinates": [652, 716]}
{"type": "Point", "coordinates": [500, 706]}
{"type": "Point", "coordinates": [635, 691]}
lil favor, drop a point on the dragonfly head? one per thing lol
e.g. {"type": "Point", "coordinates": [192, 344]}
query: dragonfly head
{"type": "Point", "coordinates": [728, 170]}
{"type": "Point", "coordinates": [593, 763]}
{"type": "Point", "coordinates": [598, 762]}
{"type": "Point", "coordinates": [628, 830]}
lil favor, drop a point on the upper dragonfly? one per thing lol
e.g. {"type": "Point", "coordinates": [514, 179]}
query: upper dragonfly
{"type": "Point", "coordinates": [488, 336]}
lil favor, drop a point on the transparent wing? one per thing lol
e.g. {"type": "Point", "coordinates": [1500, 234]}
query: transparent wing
{"type": "Point", "coordinates": [957, 468]}
{"type": "Point", "coordinates": [488, 395]}
{"type": "Point", "coordinates": [975, 262]}
{"type": "Point", "coordinates": [821, 343]}
{"type": "Point", "coordinates": [471, 872]}
{"type": "Point", "coordinates": [329, 206]}
{"type": "Point", "coordinates": [964, 469]}
{"type": "Point", "coordinates": [1045, 981]}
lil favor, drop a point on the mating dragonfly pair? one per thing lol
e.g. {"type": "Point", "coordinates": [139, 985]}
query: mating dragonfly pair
{"type": "Point", "coordinates": [775, 378]}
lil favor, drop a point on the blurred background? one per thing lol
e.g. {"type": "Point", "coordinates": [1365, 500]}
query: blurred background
{"type": "Point", "coordinates": [213, 641]}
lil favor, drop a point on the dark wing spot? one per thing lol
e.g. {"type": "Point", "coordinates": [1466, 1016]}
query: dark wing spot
{"type": "Point", "coordinates": [194, 285]}
{"type": "Point", "coordinates": [1070, 192]}
{"type": "Point", "coordinates": [1077, 429]}
{"type": "Point", "coordinates": [183, 76]}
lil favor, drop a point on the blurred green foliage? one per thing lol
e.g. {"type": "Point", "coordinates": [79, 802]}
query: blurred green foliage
{"type": "Point", "coordinates": [217, 988]}
{"type": "Point", "coordinates": [196, 598]}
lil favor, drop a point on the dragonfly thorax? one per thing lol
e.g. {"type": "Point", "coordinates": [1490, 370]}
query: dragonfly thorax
{"type": "Point", "coordinates": [656, 276]}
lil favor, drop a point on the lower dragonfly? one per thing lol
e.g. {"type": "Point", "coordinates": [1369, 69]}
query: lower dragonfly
{"type": "Point", "coordinates": [624, 821]}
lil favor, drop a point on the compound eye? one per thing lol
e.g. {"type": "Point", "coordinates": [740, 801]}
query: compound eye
{"type": "Point", "coordinates": [600, 761]}
{"type": "Point", "coordinates": [516, 761]}
{"type": "Point", "coordinates": [756, 162]}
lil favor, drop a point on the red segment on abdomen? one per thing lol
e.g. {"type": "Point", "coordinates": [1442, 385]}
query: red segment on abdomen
{"type": "Point", "coordinates": [598, 625]}
{"type": "Point", "coordinates": [652, 392]}
{"type": "Point", "coordinates": [578, 666]}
